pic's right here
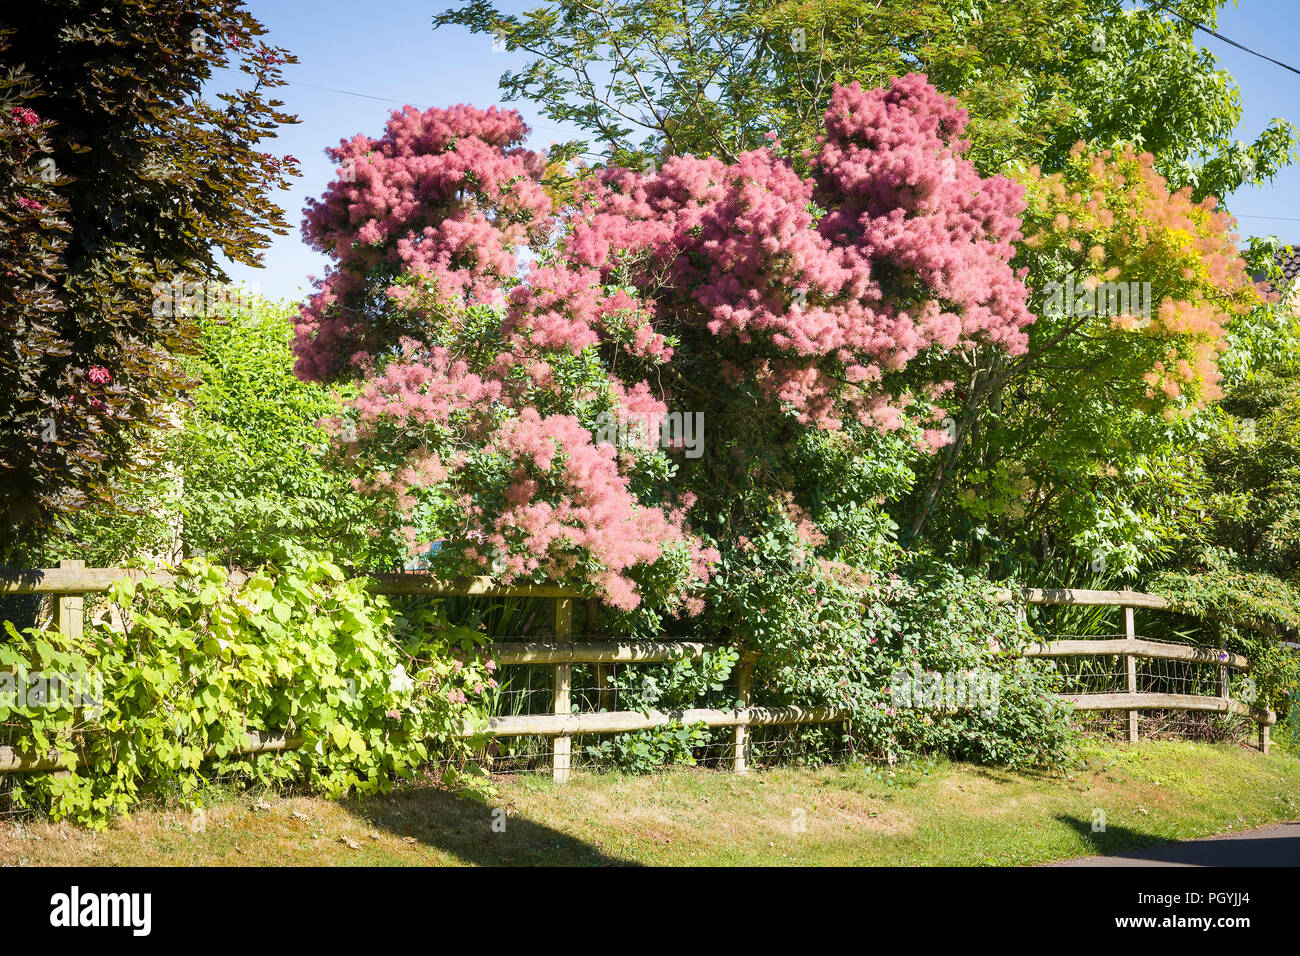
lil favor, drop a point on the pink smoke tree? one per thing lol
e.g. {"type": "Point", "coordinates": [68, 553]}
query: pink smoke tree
{"type": "Point", "coordinates": [513, 349]}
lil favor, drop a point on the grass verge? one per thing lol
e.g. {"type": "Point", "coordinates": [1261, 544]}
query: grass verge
{"type": "Point", "coordinates": [935, 814]}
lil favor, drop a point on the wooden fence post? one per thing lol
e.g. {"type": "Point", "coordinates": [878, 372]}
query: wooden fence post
{"type": "Point", "coordinates": [744, 693]}
{"type": "Point", "coordinates": [69, 618]}
{"type": "Point", "coordinates": [563, 689]}
{"type": "Point", "coordinates": [1263, 737]}
{"type": "Point", "coordinates": [69, 609]}
{"type": "Point", "coordinates": [600, 673]}
{"type": "Point", "coordinates": [1130, 662]}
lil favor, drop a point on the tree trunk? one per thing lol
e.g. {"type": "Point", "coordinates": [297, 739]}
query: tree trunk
{"type": "Point", "coordinates": [985, 384]}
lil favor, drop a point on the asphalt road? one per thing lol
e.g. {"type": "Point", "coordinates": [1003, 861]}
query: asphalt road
{"type": "Point", "coordinates": [1277, 845]}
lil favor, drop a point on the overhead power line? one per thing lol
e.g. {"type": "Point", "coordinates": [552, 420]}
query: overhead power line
{"type": "Point", "coordinates": [389, 99]}
{"type": "Point", "coordinates": [1219, 36]}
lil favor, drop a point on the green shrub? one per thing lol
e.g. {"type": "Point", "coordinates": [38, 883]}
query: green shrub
{"type": "Point", "coordinates": [298, 649]}
{"type": "Point", "coordinates": [948, 624]}
{"type": "Point", "coordinates": [829, 634]}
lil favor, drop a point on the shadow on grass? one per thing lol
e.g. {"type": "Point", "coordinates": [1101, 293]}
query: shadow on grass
{"type": "Point", "coordinates": [1277, 845]}
{"type": "Point", "coordinates": [1114, 839]}
{"type": "Point", "coordinates": [476, 832]}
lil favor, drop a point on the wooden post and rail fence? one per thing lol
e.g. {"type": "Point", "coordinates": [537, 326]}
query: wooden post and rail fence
{"type": "Point", "coordinates": [71, 580]}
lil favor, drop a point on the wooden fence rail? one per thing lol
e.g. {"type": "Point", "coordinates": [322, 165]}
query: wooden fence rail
{"type": "Point", "coordinates": [1131, 648]}
{"type": "Point", "coordinates": [71, 580]}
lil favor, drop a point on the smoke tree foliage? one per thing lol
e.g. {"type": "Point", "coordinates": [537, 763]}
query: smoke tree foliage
{"type": "Point", "coordinates": [112, 187]}
{"type": "Point", "coordinates": [775, 303]}
{"type": "Point", "coordinates": [644, 79]}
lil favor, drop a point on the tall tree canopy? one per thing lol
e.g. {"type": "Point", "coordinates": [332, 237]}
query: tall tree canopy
{"type": "Point", "coordinates": [1137, 288]}
{"type": "Point", "coordinates": [122, 179]}
{"type": "Point", "coordinates": [712, 77]}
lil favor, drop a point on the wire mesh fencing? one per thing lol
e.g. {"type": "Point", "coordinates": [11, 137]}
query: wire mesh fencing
{"type": "Point", "coordinates": [1109, 674]}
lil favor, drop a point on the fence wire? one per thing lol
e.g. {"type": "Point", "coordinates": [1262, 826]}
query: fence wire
{"type": "Point", "coordinates": [1108, 674]}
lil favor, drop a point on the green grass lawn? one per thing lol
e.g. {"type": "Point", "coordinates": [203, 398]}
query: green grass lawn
{"type": "Point", "coordinates": [938, 814]}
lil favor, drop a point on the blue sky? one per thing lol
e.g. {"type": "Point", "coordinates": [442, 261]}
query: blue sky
{"type": "Point", "coordinates": [389, 50]}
